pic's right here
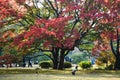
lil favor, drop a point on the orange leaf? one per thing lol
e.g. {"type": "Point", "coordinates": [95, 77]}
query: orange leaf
{"type": "Point", "coordinates": [106, 1]}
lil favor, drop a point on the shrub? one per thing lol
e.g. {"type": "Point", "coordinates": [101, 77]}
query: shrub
{"type": "Point", "coordinates": [37, 68]}
{"type": "Point", "coordinates": [85, 64]}
{"type": "Point", "coordinates": [67, 65]}
{"type": "Point", "coordinates": [44, 64]}
{"type": "Point", "coordinates": [51, 63]}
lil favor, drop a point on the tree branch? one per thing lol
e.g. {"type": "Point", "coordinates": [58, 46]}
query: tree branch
{"type": "Point", "coordinates": [45, 50]}
{"type": "Point", "coordinates": [56, 11]}
{"type": "Point", "coordinates": [67, 52]}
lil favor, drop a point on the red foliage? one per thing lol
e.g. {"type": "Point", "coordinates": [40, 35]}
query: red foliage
{"type": "Point", "coordinates": [9, 8]}
{"type": "Point", "coordinates": [99, 47]}
{"type": "Point", "coordinates": [109, 17]}
{"type": "Point", "coordinates": [5, 10]}
{"type": "Point", "coordinates": [6, 36]}
{"type": "Point", "coordinates": [52, 31]}
{"type": "Point", "coordinates": [55, 31]}
{"type": "Point", "coordinates": [6, 59]}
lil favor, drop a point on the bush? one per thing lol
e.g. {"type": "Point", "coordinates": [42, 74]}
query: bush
{"type": "Point", "coordinates": [37, 68]}
{"type": "Point", "coordinates": [44, 64]}
{"type": "Point", "coordinates": [67, 65]}
{"type": "Point", "coordinates": [51, 63]}
{"type": "Point", "coordinates": [85, 64]}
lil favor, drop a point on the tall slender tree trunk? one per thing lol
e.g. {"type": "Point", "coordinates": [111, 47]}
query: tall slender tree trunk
{"type": "Point", "coordinates": [116, 51]}
{"type": "Point", "coordinates": [55, 61]}
{"type": "Point", "coordinates": [55, 54]}
{"type": "Point", "coordinates": [61, 60]}
{"type": "Point", "coordinates": [0, 51]}
{"type": "Point", "coordinates": [23, 64]}
{"type": "Point", "coordinates": [55, 64]}
{"type": "Point", "coordinates": [117, 63]}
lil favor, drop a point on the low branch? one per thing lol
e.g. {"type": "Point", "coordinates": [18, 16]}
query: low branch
{"type": "Point", "coordinates": [67, 52]}
{"type": "Point", "coordinates": [45, 50]}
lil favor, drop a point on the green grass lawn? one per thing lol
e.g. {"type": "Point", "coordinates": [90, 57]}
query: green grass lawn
{"type": "Point", "coordinates": [47, 74]}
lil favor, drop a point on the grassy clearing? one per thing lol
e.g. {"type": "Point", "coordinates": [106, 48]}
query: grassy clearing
{"type": "Point", "coordinates": [56, 77]}
{"type": "Point", "coordinates": [49, 74]}
{"type": "Point", "coordinates": [51, 71]}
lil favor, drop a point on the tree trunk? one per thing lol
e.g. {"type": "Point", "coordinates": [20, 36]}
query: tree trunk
{"type": "Point", "coordinates": [23, 62]}
{"type": "Point", "coordinates": [117, 54]}
{"type": "Point", "coordinates": [55, 54]}
{"type": "Point", "coordinates": [55, 61]}
{"type": "Point", "coordinates": [61, 60]}
{"type": "Point", "coordinates": [117, 63]}
{"type": "Point", "coordinates": [116, 51]}
{"type": "Point", "coordinates": [0, 51]}
{"type": "Point", "coordinates": [55, 64]}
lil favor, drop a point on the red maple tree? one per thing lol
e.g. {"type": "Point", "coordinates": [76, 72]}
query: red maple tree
{"type": "Point", "coordinates": [63, 29]}
{"type": "Point", "coordinates": [10, 12]}
{"type": "Point", "coordinates": [65, 23]}
{"type": "Point", "coordinates": [109, 29]}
